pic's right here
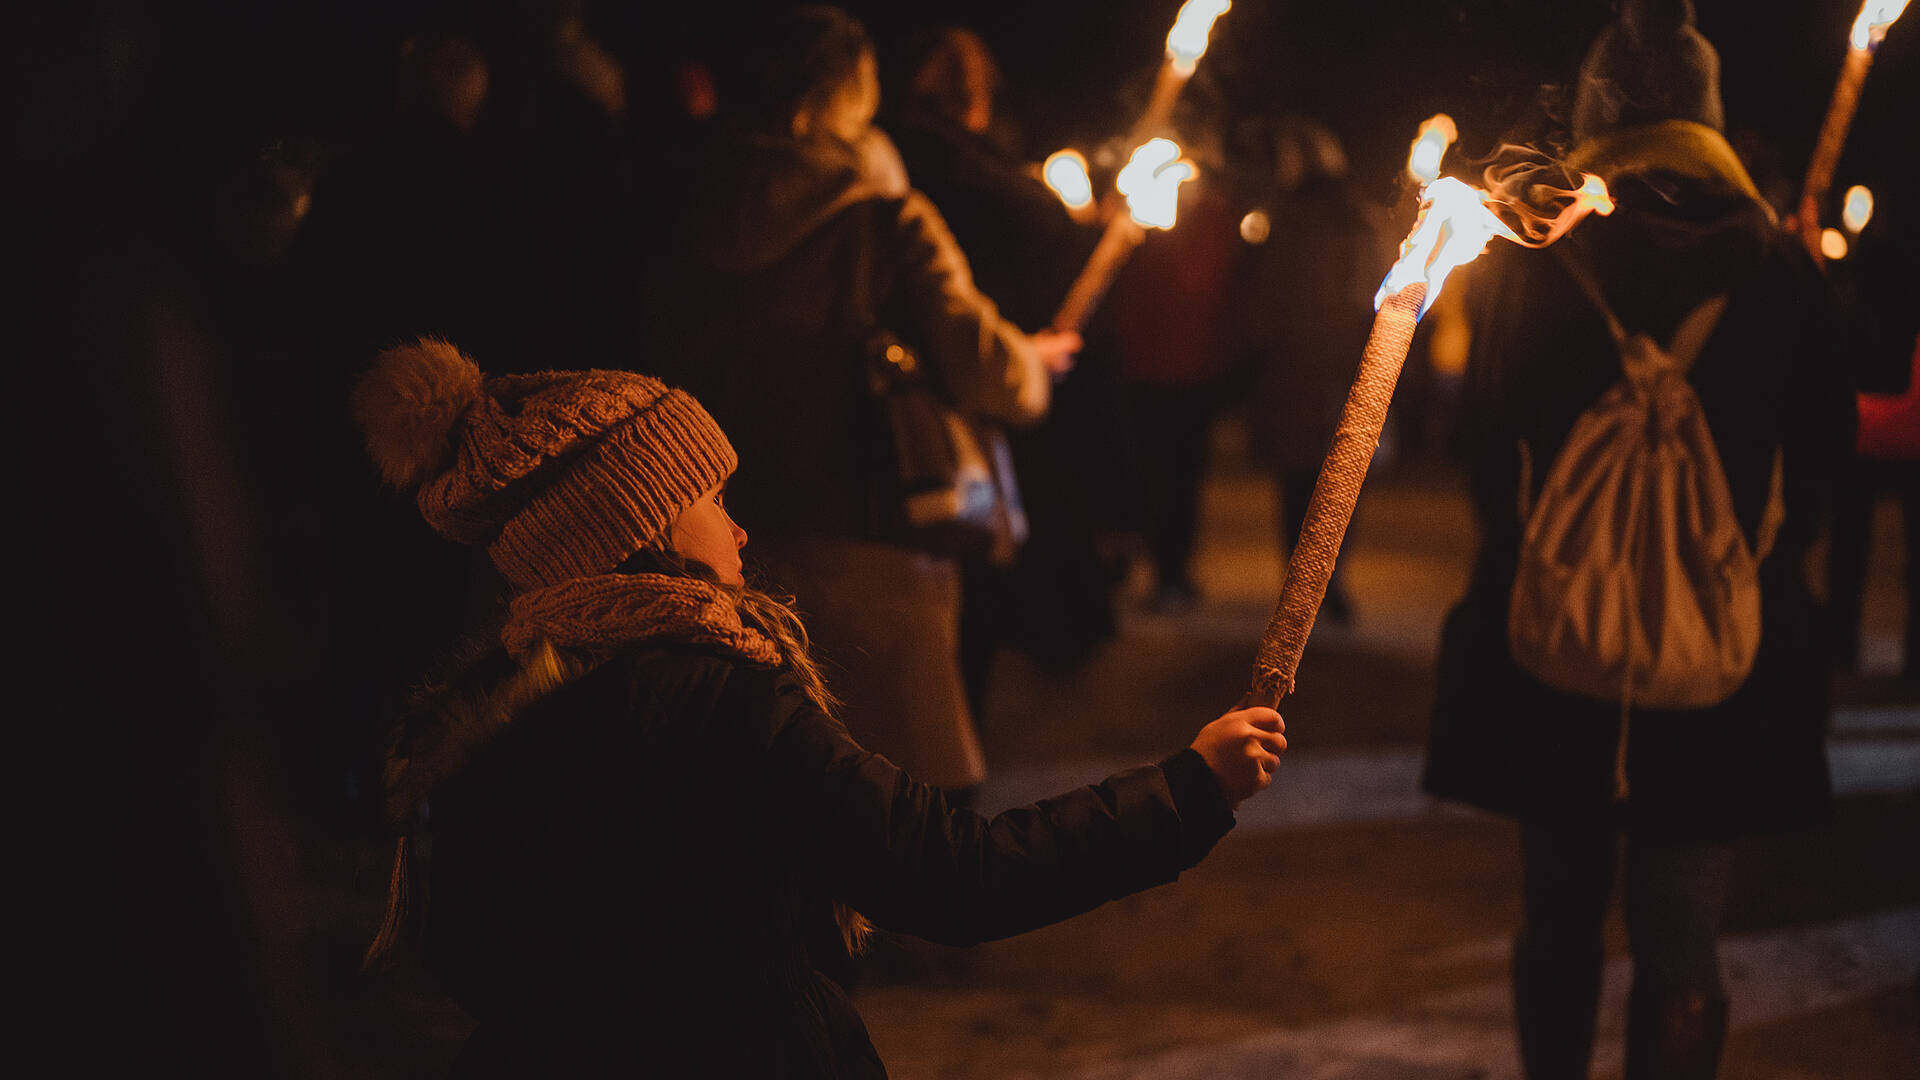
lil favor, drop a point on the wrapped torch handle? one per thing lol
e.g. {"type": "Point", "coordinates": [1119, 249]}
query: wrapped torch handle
{"type": "Point", "coordinates": [1335, 493]}
{"type": "Point", "coordinates": [1117, 242]}
{"type": "Point", "coordinates": [1833, 138]}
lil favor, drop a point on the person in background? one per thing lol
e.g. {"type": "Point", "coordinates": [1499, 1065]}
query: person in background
{"type": "Point", "coordinates": [800, 236]}
{"type": "Point", "coordinates": [644, 814]}
{"type": "Point", "coordinates": [1580, 774]}
{"type": "Point", "coordinates": [943, 112]}
{"type": "Point", "coordinates": [1304, 310]}
{"type": "Point", "coordinates": [1174, 327]}
{"type": "Point", "coordinates": [403, 236]}
{"type": "Point", "coordinates": [1876, 280]}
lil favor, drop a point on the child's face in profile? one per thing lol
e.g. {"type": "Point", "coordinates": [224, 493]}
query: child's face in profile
{"type": "Point", "coordinates": [706, 533]}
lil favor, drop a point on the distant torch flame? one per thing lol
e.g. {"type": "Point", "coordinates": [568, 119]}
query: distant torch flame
{"type": "Point", "coordinates": [1452, 230]}
{"type": "Point", "coordinates": [1858, 209]}
{"type": "Point", "coordinates": [1066, 173]}
{"type": "Point", "coordinates": [1187, 41]}
{"type": "Point", "coordinates": [1833, 243]}
{"type": "Point", "coordinates": [1256, 227]}
{"type": "Point", "coordinates": [1151, 182]}
{"type": "Point", "coordinates": [1436, 134]}
{"type": "Point", "coordinates": [1875, 17]}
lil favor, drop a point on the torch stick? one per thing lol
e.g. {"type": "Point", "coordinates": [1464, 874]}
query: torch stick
{"type": "Point", "coordinates": [1335, 493]}
{"type": "Point", "coordinates": [1869, 29]}
{"type": "Point", "coordinates": [1186, 43]}
{"type": "Point", "coordinates": [1122, 235]}
{"type": "Point", "coordinates": [1151, 183]}
{"type": "Point", "coordinates": [1833, 137]}
{"type": "Point", "coordinates": [1453, 227]}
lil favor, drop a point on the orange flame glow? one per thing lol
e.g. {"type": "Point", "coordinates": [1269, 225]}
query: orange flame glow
{"type": "Point", "coordinates": [1430, 146]}
{"type": "Point", "coordinates": [1187, 41]}
{"type": "Point", "coordinates": [1871, 27]}
{"type": "Point", "coordinates": [1065, 172]}
{"type": "Point", "coordinates": [1151, 182]}
{"type": "Point", "coordinates": [1452, 230]}
{"type": "Point", "coordinates": [1531, 194]}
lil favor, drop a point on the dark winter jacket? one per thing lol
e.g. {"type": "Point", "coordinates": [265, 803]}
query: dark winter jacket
{"type": "Point", "coordinates": [1769, 378]}
{"type": "Point", "coordinates": [1303, 310]}
{"type": "Point", "coordinates": [1025, 250]}
{"type": "Point", "coordinates": [634, 875]}
{"type": "Point", "coordinates": [758, 312]}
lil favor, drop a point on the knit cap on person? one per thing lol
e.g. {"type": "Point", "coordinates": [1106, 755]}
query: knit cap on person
{"type": "Point", "coordinates": [1648, 65]}
{"type": "Point", "coordinates": [559, 474]}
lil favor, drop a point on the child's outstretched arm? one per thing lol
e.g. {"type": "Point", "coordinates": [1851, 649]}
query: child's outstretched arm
{"type": "Point", "coordinates": [893, 849]}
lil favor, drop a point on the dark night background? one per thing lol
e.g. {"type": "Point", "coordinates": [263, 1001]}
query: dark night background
{"type": "Point", "coordinates": [1374, 70]}
{"type": "Point", "coordinates": [122, 112]}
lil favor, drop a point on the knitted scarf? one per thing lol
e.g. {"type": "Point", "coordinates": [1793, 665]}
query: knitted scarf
{"type": "Point", "coordinates": [608, 612]}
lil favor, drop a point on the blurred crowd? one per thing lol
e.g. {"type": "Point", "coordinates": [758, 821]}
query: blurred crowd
{"type": "Point", "coordinates": [516, 186]}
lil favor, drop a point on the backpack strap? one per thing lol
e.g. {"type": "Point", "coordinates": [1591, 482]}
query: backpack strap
{"type": "Point", "coordinates": [1688, 340]}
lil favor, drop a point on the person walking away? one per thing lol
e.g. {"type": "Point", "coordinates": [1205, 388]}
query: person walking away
{"type": "Point", "coordinates": [1302, 318]}
{"type": "Point", "coordinates": [1173, 326]}
{"type": "Point", "coordinates": [1583, 770]}
{"type": "Point", "coordinates": [644, 816]}
{"type": "Point", "coordinates": [800, 236]}
{"type": "Point", "coordinates": [1054, 600]}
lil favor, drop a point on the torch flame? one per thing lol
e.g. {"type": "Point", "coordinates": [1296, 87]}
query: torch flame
{"type": "Point", "coordinates": [1151, 182]}
{"type": "Point", "coordinates": [1066, 174]}
{"type": "Point", "coordinates": [1436, 134]}
{"type": "Point", "coordinates": [1452, 230]}
{"type": "Point", "coordinates": [1187, 41]}
{"type": "Point", "coordinates": [1857, 210]}
{"type": "Point", "coordinates": [1875, 17]}
{"type": "Point", "coordinates": [1833, 243]}
{"type": "Point", "coordinates": [1593, 196]}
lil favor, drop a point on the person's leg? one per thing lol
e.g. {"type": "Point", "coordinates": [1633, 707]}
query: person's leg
{"type": "Point", "coordinates": [1850, 536]}
{"type": "Point", "coordinates": [1677, 1010]}
{"type": "Point", "coordinates": [1557, 957]}
{"type": "Point", "coordinates": [1187, 412]}
{"type": "Point", "coordinates": [1907, 488]}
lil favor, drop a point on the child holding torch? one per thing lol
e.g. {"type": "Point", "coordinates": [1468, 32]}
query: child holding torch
{"type": "Point", "coordinates": [644, 816]}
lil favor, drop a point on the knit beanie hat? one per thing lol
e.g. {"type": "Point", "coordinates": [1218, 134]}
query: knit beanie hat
{"type": "Point", "coordinates": [1648, 65]}
{"type": "Point", "coordinates": [560, 474]}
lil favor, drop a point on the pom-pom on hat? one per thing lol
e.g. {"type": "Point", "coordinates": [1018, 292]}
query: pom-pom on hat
{"type": "Point", "coordinates": [1649, 64]}
{"type": "Point", "coordinates": [560, 474]}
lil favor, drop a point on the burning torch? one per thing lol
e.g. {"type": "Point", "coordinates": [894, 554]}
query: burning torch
{"type": "Point", "coordinates": [1454, 225]}
{"type": "Point", "coordinates": [1186, 43]}
{"type": "Point", "coordinates": [1151, 183]}
{"type": "Point", "coordinates": [1869, 29]}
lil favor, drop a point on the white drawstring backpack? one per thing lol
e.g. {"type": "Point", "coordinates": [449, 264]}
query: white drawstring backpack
{"type": "Point", "coordinates": [1635, 583]}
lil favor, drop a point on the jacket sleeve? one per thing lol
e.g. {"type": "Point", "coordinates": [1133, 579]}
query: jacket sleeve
{"type": "Point", "coordinates": [987, 363]}
{"type": "Point", "coordinates": [891, 848]}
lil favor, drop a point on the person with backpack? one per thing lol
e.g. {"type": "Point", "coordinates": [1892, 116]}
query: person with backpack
{"type": "Point", "coordinates": [648, 831]}
{"type": "Point", "coordinates": [800, 238]}
{"type": "Point", "coordinates": [1654, 409]}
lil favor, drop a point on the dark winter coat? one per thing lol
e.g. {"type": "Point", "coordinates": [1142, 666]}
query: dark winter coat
{"type": "Point", "coordinates": [758, 313]}
{"type": "Point", "coordinates": [786, 243]}
{"type": "Point", "coordinates": [1303, 311]}
{"type": "Point", "coordinates": [1024, 248]}
{"type": "Point", "coordinates": [1770, 377]}
{"type": "Point", "coordinates": [634, 876]}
